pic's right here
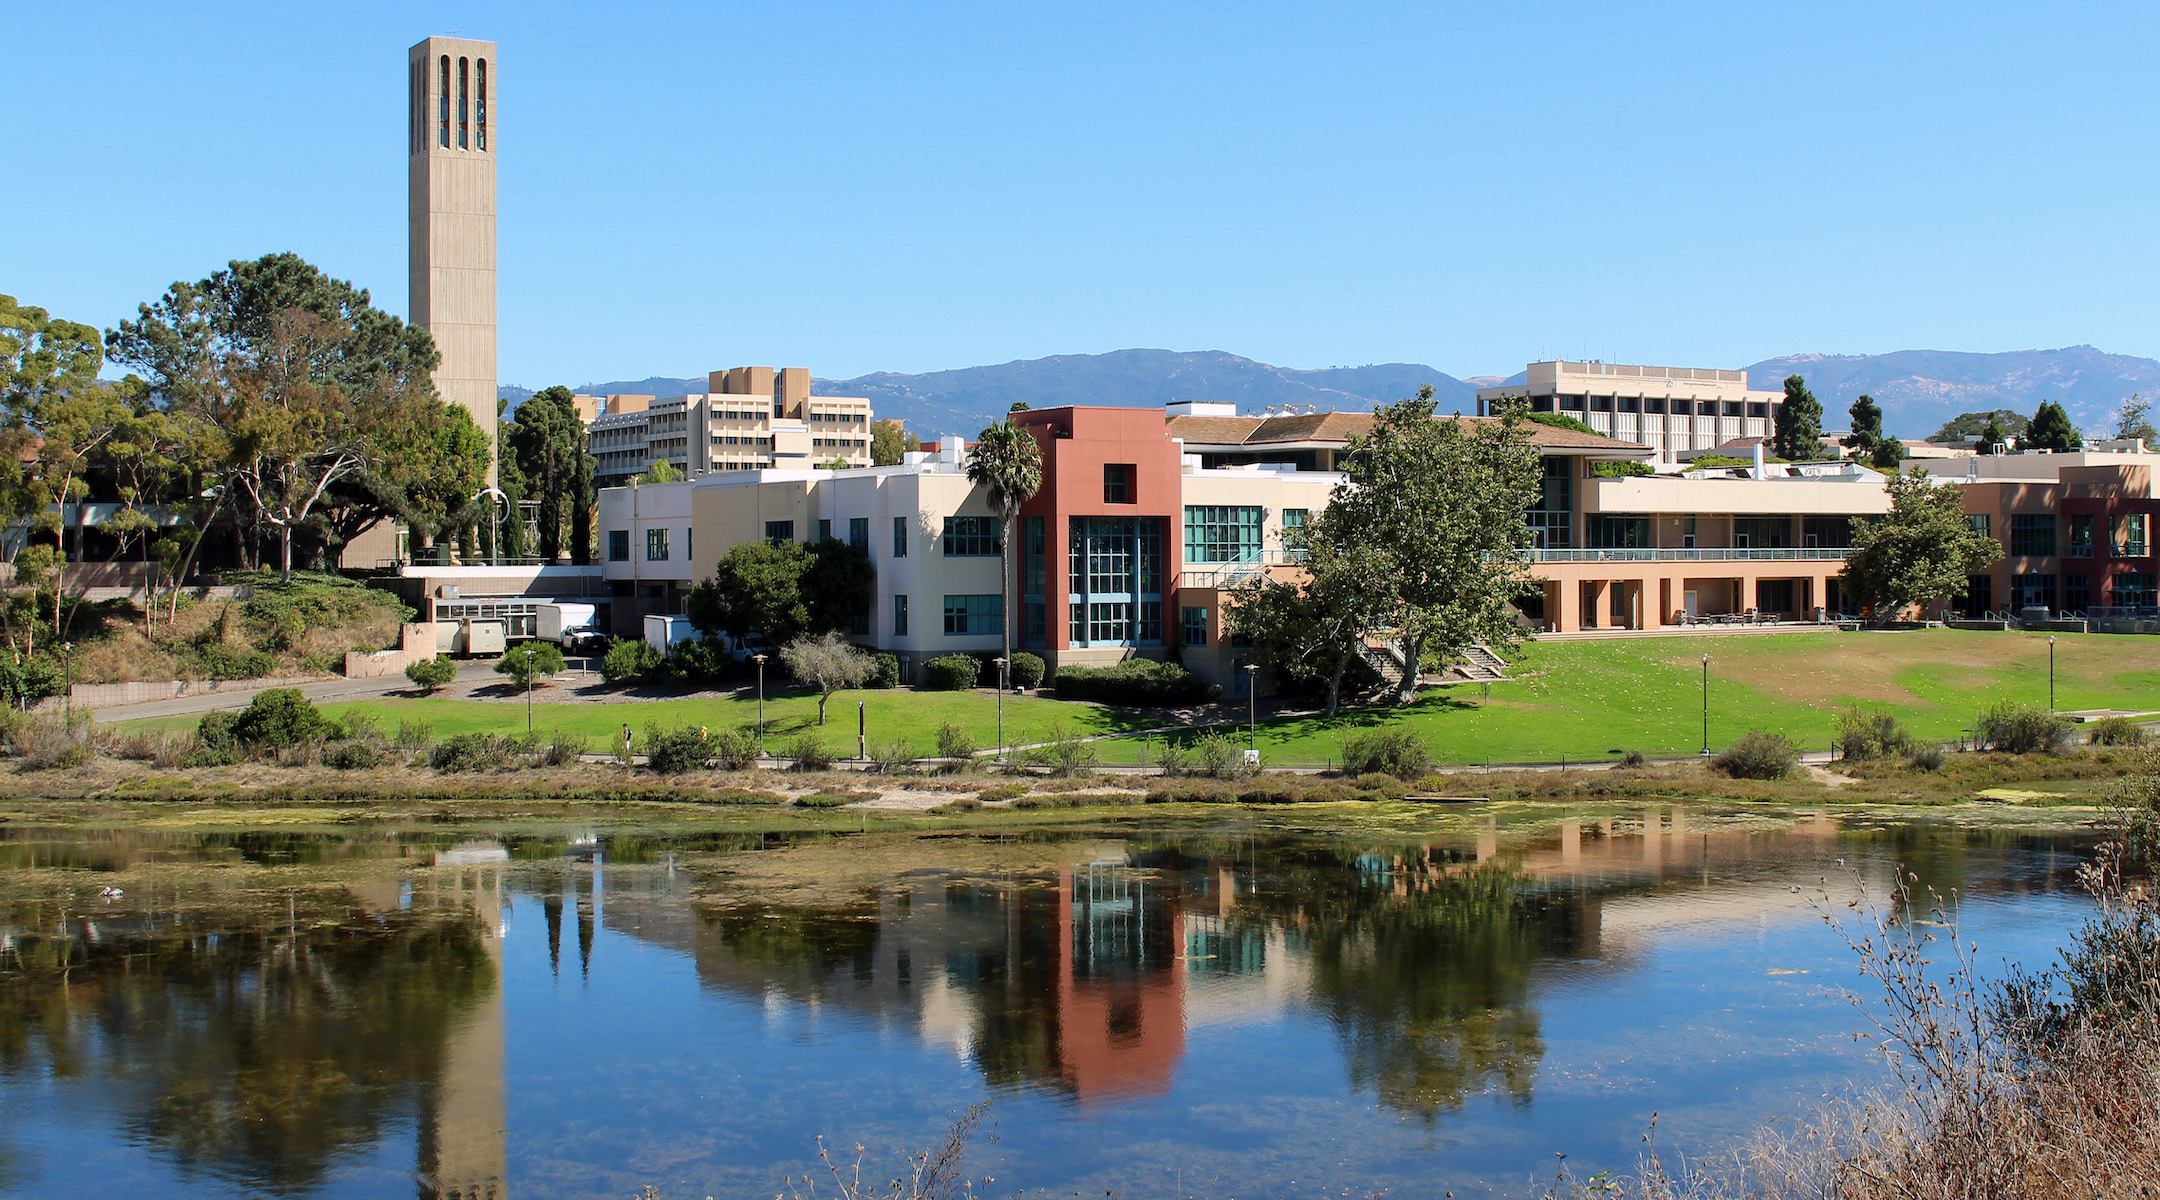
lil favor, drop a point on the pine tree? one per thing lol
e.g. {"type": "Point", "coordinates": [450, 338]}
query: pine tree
{"type": "Point", "coordinates": [1866, 427]}
{"type": "Point", "coordinates": [2051, 429]}
{"type": "Point", "coordinates": [1797, 433]}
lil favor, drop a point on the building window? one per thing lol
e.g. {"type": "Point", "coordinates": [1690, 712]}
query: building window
{"type": "Point", "coordinates": [2134, 536]}
{"type": "Point", "coordinates": [973, 616]}
{"type": "Point", "coordinates": [1115, 580]}
{"type": "Point", "coordinates": [1833, 533]}
{"type": "Point", "coordinates": [1982, 524]}
{"type": "Point", "coordinates": [1193, 630]}
{"type": "Point", "coordinates": [971, 537]}
{"type": "Point", "coordinates": [2081, 535]}
{"type": "Point", "coordinates": [779, 532]}
{"type": "Point", "coordinates": [1979, 595]}
{"type": "Point", "coordinates": [2076, 592]}
{"type": "Point", "coordinates": [2033, 535]}
{"type": "Point", "coordinates": [656, 545]}
{"type": "Point", "coordinates": [899, 616]}
{"type": "Point", "coordinates": [2134, 590]}
{"type": "Point", "coordinates": [1613, 531]}
{"type": "Point", "coordinates": [899, 537]}
{"type": "Point", "coordinates": [480, 105]}
{"type": "Point", "coordinates": [858, 533]}
{"type": "Point", "coordinates": [1549, 518]}
{"type": "Point", "coordinates": [1117, 483]}
{"type": "Point", "coordinates": [464, 107]}
{"type": "Point", "coordinates": [444, 91]}
{"type": "Point", "coordinates": [1293, 533]}
{"type": "Point", "coordinates": [618, 545]}
{"type": "Point", "coordinates": [824, 531]}
{"type": "Point", "coordinates": [1222, 533]}
{"type": "Point", "coordinates": [2027, 591]}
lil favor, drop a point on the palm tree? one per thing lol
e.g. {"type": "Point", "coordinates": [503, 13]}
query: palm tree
{"type": "Point", "coordinates": [1006, 463]}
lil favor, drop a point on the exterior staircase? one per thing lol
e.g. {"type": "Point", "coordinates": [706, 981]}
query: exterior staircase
{"type": "Point", "coordinates": [1480, 665]}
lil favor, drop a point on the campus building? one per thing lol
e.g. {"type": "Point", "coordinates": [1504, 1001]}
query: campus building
{"type": "Point", "coordinates": [1147, 520]}
{"type": "Point", "coordinates": [2076, 530]}
{"type": "Point", "coordinates": [1672, 410]}
{"type": "Point", "coordinates": [454, 124]}
{"type": "Point", "coordinates": [747, 419]}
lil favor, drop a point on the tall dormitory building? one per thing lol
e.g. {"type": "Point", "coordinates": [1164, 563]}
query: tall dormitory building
{"type": "Point", "coordinates": [454, 86]}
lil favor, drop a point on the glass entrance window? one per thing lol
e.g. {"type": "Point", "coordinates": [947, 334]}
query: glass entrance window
{"type": "Point", "coordinates": [2081, 535]}
{"type": "Point", "coordinates": [2133, 544]}
{"type": "Point", "coordinates": [1220, 533]}
{"type": "Point", "coordinates": [1115, 580]}
{"type": "Point", "coordinates": [2135, 590]}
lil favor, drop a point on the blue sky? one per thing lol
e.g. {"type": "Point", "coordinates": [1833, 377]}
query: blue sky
{"type": "Point", "coordinates": [916, 187]}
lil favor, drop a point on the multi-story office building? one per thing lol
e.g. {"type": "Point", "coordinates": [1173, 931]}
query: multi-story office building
{"type": "Point", "coordinates": [1146, 524]}
{"type": "Point", "coordinates": [748, 419]}
{"type": "Point", "coordinates": [2076, 530]}
{"type": "Point", "coordinates": [1669, 409]}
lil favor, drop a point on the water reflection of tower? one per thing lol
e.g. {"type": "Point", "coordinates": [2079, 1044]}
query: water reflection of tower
{"type": "Point", "coordinates": [461, 1153]}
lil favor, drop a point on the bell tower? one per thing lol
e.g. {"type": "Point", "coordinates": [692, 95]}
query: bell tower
{"type": "Point", "coordinates": [454, 131]}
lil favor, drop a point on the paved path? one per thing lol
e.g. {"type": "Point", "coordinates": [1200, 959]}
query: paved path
{"type": "Point", "coordinates": [335, 688]}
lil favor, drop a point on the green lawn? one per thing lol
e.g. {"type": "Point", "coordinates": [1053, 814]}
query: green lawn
{"type": "Point", "coordinates": [915, 716]}
{"type": "Point", "coordinates": [1581, 699]}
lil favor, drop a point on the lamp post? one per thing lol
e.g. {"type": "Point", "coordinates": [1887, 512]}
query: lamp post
{"type": "Point", "coordinates": [497, 500]}
{"type": "Point", "coordinates": [759, 659]}
{"type": "Point", "coordinates": [67, 689]}
{"type": "Point", "coordinates": [1706, 706]}
{"type": "Point", "coordinates": [2051, 672]}
{"type": "Point", "coordinates": [1252, 707]}
{"type": "Point", "coordinates": [528, 690]}
{"type": "Point", "coordinates": [1001, 709]}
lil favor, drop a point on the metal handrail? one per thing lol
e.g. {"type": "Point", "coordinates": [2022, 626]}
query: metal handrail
{"type": "Point", "coordinates": [1701, 554]}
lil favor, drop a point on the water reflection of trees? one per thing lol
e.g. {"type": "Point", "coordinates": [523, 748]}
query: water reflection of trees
{"type": "Point", "coordinates": [252, 1047]}
{"type": "Point", "coordinates": [1423, 967]}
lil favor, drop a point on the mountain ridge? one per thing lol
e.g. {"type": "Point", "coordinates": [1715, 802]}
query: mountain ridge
{"type": "Point", "coordinates": [1918, 389]}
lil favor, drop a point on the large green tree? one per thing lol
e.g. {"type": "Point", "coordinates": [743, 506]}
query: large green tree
{"type": "Point", "coordinates": [2134, 420]}
{"type": "Point", "coordinates": [1007, 464]}
{"type": "Point", "coordinates": [1867, 439]}
{"type": "Point", "coordinates": [2051, 429]}
{"type": "Point", "coordinates": [1307, 626]}
{"type": "Point", "coordinates": [1923, 549]}
{"type": "Point", "coordinates": [1434, 509]}
{"type": "Point", "coordinates": [323, 402]}
{"type": "Point", "coordinates": [1974, 424]}
{"type": "Point", "coordinates": [547, 444]}
{"type": "Point", "coordinates": [755, 587]}
{"type": "Point", "coordinates": [1796, 433]}
{"type": "Point", "coordinates": [889, 443]}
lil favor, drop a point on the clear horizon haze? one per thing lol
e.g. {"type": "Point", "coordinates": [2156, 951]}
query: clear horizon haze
{"type": "Point", "coordinates": [855, 188]}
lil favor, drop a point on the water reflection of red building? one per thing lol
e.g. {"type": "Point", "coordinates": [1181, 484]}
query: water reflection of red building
{"type": "Point", "coordinates": [1121, 981]}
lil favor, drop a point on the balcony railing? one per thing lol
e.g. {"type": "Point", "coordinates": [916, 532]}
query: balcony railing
{"type": "Point", "coordinates": [1701, 554]}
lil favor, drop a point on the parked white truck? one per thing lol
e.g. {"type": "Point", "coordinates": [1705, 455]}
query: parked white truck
{"type": "Point", "coordinates": [570, 626]}
{"type": "Point", "coordinates": [665, 633]}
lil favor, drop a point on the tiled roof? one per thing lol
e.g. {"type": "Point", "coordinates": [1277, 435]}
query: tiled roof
{"type": "Point", "coordinates": [1342, 426]}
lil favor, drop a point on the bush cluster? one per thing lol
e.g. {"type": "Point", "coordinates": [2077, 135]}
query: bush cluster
{"type": "Point", "coordinates": [810, 753]}
{"type": "Point", "coordinates": [678, 751]}
{"type": "Point", "coordinates": [430, 674]}
{"type": "Point", "coordinates": [1864, 736]}
{"type": "Point", "coordinates": [885, 672]}
{"type": "Point", "coordinates": [951, 673]}
{"type": "Point", "coordinates": [1758, 754]}
{"type": "Point", "coordinates": [477, 752]}
{"type": "Point", "coordinates": [1027, 670]}
{"type": "Point", "coordinates": [2116, 731]}
{"type": "Point", "coordinates": [1396, 752]}
{"type": "Point", "coordinates": [2015, 727]}
{"type": "Point", "coordinates": [1139, 682]}
{"type": "Point", "coordinates": [628, 660]}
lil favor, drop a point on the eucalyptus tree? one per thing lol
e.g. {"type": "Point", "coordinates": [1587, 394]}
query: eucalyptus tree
{"type": "Point", "coordinates": [1007, 464]}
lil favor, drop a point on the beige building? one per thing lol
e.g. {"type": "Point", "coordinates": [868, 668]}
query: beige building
{"type": "Point", "coordinates": [747, 419]}
{"type": "Point", "coordinates": [1672, 410]}
{"type": "Point", "coordinates": [451, 215]}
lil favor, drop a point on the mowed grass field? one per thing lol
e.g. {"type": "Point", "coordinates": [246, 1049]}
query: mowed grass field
{"type": "Point", "coordinates": [1593, 698]}
{"type": "Point", "coordinates": [1580, 699]}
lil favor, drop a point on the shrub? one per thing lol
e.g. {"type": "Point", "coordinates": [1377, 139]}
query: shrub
{"type": "Point", "coordinates": [1926, 758]}
{"type": "Point", "coordinates": [476, 752]}
{"type": "Point", "coordinates": [1863, 736]}
{"type": "Point", "coordinates": [695, 662]}
{"type": "Point", "coordinates": [1393, 787]}
{"type": "Point", "coordinates": [1173, 758]}
{"type": "Point", "coordinates": [215, 732]}
{"type": "Point", "coordinates": [1140, 682]}
{"type": "Point", "coordinates": [1758, 755]}
{"type": "Point", "coordinates": [1396, 752]}
{"type": "Point", "coordinates": [888, 758]}
{"type": "Point", "coordinates": [432, 674]}
{"type": "Point", "coordinates": [219, 660]}
{"type": "Point", "coordinates": [1621, 470]}
{"type": "Point", "coordinates": [1065, 752]}
{"type": "Point", "coordinates": [810, 753]}
{"type": "Point", "coordinates": [1027, 670]}
{"type": "Point", "coordinates": [676, 752]}
{"type": "Point", "coordinates": [566, 748]}
{"type": "Point", "coordinates": [1003, 791]}
{"type": "Point", "coordinates": [414, 735]}
{"type": "Point", "coordinates": [735, 749]}
{"type": "Point", "coordinates": [2116, 731]}
{"type": "Point", "coordinates": [954, 743]}
{"type": "Point", "coordinates": [280, 717]}
{"type": "Point", "coordinates": [359, 755]}
{"type": "Point", "coordinates": [1217, 756]}
{"type": "Point", "coordinates": [2018, 728]}
{"type": "Point", "coordinates": [527, 664]}
{"type": "Point", "coordinates": [885, 671]}
{"type": "Point", "coordinates": [951, 673]}
{"type": "Point", "coordinates": [832, 798]}
{"type": "Point", "coordinates": [628, 660]}
{"type": "Point", "coordinates": [1634, 760]}
{"type": "Point", "coordinates": [46, 744]}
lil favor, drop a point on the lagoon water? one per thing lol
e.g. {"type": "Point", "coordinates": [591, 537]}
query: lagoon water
{"type": "Point", "coordinates": [533, 1010]}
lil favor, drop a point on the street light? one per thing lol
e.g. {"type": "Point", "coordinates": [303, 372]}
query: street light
{"type": "Point", "coordinates": [759, 659]}
{"type": "Point", "coordinates": [1001, 709]}
{"type": "Point", "coordinates": [1252, 706]}
{"type": "Point", "coordinates": [494, 521]}
{"type": "Point", "coordinates": [1706, 706]}
{"type": "Point", "coordinates": [2051, 672]}
{"type": "Point", "coordinates": [528, 690]}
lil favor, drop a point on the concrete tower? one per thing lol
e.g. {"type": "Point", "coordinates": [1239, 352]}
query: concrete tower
{"type": "Point", "coordinates": [453, 86]}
